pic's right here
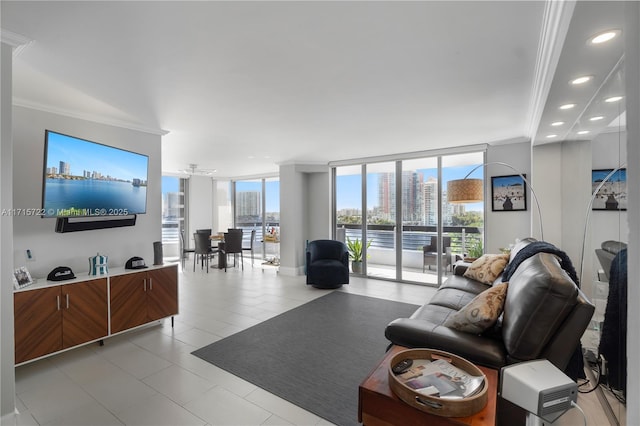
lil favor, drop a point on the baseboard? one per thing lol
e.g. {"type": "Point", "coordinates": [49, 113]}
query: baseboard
{"type": "Point", "coordinates": [10, 419]}
{"type": "Point", "coordinates": [291, 272]}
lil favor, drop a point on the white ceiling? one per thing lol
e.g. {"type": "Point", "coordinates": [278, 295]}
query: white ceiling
{"type": "Point", "coordinates": [242, 87]}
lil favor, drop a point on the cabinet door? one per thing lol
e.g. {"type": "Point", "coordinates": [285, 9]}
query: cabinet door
{"type": "Point", "coordinates": [128, 301]}
{"type": "Point", "coordinates": [162, 295]}
{"type": "Point", "coordinates": [38, 323]}
{"type": "Point", "coordinates": [84, 312]}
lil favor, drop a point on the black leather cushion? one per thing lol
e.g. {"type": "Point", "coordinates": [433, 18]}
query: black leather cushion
{"type": "Point", "coordinates": [540, 297]}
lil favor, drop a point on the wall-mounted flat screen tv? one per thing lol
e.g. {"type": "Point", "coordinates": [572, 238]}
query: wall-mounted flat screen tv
{"type": "Point", "coordinates": [84, 179]}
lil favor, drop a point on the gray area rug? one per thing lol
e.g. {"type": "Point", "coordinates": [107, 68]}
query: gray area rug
{"type": "Point", "coordinates": [314, 356]}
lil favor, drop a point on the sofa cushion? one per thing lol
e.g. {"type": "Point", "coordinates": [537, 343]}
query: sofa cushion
{"type": "Point", "coordinates": [540, 297]}
{"type": "Point", "coordinates": [487, 268]}
{"type": "Point", "coordinates": [481, 312]}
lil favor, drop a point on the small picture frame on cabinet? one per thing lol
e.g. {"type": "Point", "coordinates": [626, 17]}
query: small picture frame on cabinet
{"type": "Point", "coordinates": [21, 278]}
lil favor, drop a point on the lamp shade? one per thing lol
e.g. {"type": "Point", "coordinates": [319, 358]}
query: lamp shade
{"type": "Point", "coordinates": [465, 191]}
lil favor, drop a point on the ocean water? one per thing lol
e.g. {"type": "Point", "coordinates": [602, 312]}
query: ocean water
{"type": "Point", "coordinates": [93, 197]}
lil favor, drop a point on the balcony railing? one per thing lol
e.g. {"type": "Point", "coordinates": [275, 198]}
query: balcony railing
{"type": "Point", "coordinates": [415, 236]}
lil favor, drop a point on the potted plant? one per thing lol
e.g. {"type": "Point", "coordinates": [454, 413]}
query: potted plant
{"type": "Point", "coordinates": [475, 251]}
{"type": "Point", "coordinates": [355, 253]}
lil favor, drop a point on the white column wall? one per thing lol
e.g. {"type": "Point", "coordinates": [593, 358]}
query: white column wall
{"type": "Point", "coordinates": [632, 87]}
{"type": "Point", "coordinates": [201, 206]}
{"type": "Point", "coordinates": [7, 371]}
{"type": "Point", "coordinates": [304, 212]}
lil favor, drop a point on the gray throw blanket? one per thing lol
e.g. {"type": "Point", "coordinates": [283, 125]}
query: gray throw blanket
{"type": "Point", "coordinates": [538, 247]}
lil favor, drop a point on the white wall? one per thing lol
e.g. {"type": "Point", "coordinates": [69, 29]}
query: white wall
{"type": "Point", "coordinates": [200, 206]}
{"type": "Point", "coordinates": [546, 178]}
{"type": "Point", "coordinates": [575, 189]}
{"type": "Point", "coordinates": [7, 371]}
{"type": "Point", "coordinates": [319, 206]}
{"type": "Point", "coordinates": [303, 189]}
{"type": "Point", "coordinates": [222, 211]}
{"type": "Point", "coordinates": [506, 226]}
{"type": "Point", "coordinates": [73, 249]}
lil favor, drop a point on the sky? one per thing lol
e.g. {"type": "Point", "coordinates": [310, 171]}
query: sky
{"type": "Point", "coordinates": [349, 187]}
{"type": "Point", "coordinates": [348, 194]}
{"type": "Point", "coordinates": [272, 188]}
{"type": "Point", "coordinates": [85, 155]}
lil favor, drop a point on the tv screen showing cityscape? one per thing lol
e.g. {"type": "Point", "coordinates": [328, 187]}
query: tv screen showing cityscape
{"type": "Point", "coordinates": [84, 178]}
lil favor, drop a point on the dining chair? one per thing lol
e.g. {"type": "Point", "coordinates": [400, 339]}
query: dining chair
{"type": "Point", "coordinates": [233, 245]}
{"type": "Point", "coordinates": [203, 249]}
{"type": "Point", "coordinates": [251, 243]}
{"type": "Point", "coordinates": [184, 250]}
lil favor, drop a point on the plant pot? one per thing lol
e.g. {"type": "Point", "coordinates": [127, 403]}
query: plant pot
{"type": "Point", "coordinates": [356, 267]}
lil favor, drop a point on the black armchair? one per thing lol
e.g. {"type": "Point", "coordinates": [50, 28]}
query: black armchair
{"type": "Point", "coordinates": [327, 264]}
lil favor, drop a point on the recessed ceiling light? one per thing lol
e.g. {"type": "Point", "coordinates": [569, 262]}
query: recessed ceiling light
{"type": "Point", "coordinates": [596, 118]}
{"type": "Point", "coordinates": [583, 132]}
{"type": "Point", "coordinates": [567, 106]}
{"type": "Point", "coordinates": [552, 136]}
{"type": "Point", "coordinates": [557, 123]}
{"type": "Point", "coordinates": [613, 99]}
{"type": "Point", "coordinates": [604, 37]}
{"type": "Point", "coordinates": [581, 80]}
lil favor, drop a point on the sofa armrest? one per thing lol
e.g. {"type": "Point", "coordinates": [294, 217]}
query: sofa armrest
{"type": "Point", "coordinates": [460, 267]}
{"type": "Point", "coordinates": [416, 333]}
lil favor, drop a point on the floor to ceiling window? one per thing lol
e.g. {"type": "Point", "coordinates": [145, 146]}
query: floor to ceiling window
{"type": "Point", "coordinates": [412, 233]}
{"type": "Point", "coordinates": [174, 190]}
{"type": "Point", "coordinates": [381, 220]}
{"type": "Point", "coordinates": [257, 208]}
{"type": "Point", "coordinates": [348, 204]}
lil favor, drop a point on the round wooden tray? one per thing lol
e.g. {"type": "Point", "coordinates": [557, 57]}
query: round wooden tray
{"type": "Point", "coordinates": [432, 404]}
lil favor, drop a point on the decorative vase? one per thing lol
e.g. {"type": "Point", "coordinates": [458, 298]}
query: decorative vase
{"type": "Point", "coordinates": [356, 267]}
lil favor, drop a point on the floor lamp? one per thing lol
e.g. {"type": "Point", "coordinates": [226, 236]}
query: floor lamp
{"type": "Point", "coordinates": [465, 190]}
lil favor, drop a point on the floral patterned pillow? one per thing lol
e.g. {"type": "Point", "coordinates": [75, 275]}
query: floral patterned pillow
{"type": "Point", "coordinates": [487, 268]}
{"type": "Point", "coordinates": [481, 312]}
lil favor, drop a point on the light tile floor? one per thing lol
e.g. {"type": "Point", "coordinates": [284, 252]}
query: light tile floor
{"type": "Point", "coordinates": [149, 377]}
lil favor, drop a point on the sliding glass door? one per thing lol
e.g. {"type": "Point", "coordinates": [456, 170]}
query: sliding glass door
{"type": "Point", "coordinates": [412, 232]}
{"type": "Point", "coordinates": [381, 220]}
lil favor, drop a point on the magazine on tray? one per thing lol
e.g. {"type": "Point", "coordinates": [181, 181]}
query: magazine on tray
{"type": "Point", "coordinates": [440, 378]}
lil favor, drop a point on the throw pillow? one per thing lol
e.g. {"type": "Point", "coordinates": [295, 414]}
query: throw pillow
{"type": "Point", "coordinates": [487, 268]}
{"type": "Point", "coordinates": [481, 312]}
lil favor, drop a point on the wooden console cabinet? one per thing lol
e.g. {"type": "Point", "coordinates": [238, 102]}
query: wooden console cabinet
{"type": "Point", "coordinates": [54, 316]}
{"type": "Point", "coordinates": [141, 297]}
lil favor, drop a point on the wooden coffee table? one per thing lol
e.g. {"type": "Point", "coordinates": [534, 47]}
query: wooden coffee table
{"type": "Point", "coordinates": [379, 406]}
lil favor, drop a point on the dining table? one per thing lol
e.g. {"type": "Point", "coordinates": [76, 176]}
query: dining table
{"type": "Point", "coordinates": [222, 258]}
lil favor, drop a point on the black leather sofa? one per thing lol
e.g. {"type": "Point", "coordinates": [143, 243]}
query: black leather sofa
{"type": "Point", "coordinates": [545, 315]}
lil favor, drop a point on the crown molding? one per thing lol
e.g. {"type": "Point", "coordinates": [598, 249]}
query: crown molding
{"type": "Point", "coordinates": [16, 41]}
{"type": "Point", "coordinates": [88, 117]}
{"type": "Point", "coordinates": [555, 25]}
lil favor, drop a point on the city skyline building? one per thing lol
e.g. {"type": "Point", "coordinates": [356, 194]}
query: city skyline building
{"type": "Point", "coordinates": [248, 204]}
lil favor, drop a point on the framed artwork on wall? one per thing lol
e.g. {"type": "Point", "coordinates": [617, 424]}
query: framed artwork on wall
{"type": "Point", "coordinates": [508, 193]}
{"type": "Point", "coordinates": [613, 192]}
